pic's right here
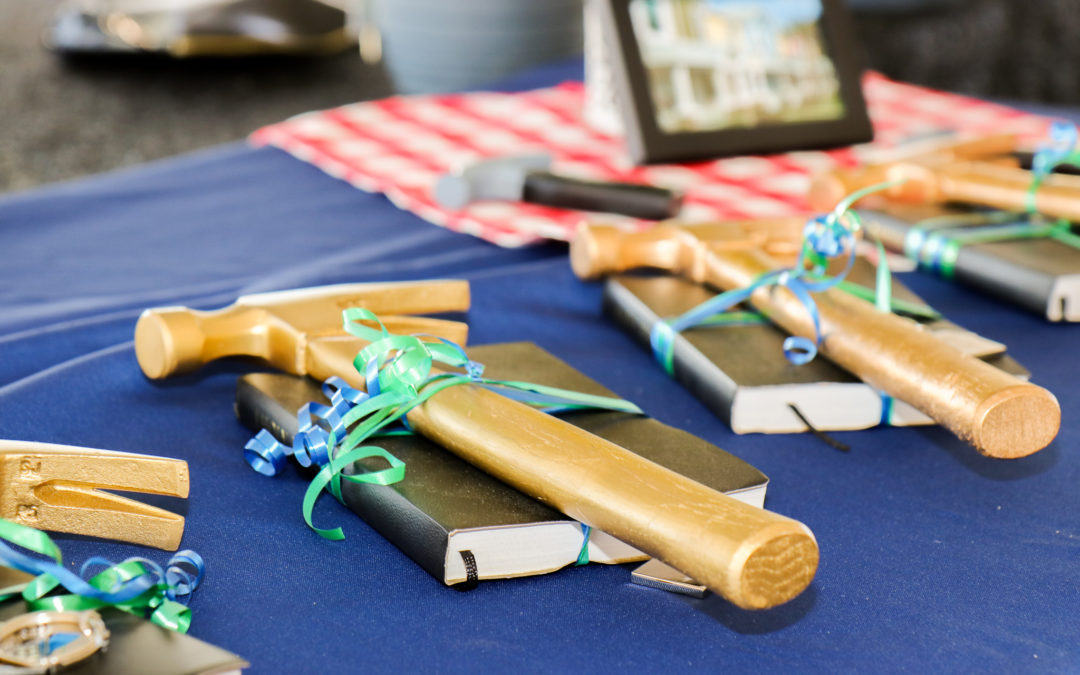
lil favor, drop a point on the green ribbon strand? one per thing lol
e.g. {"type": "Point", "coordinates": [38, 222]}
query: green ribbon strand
{"type": "Point", "coordinates": [935, 244]}
{"type": "Point", "coordinates": [399, 375]}
{"type": "Point", "coordinates": [137, 586]}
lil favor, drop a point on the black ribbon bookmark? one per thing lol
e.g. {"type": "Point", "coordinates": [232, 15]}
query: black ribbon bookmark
{"type": "Point", "coordinates": [472, 577]}
{"type": "Point", "coordinates": [825, 438]}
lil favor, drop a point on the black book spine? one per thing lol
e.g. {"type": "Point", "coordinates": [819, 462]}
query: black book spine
{"type": "Point", "coordinates": [980, 268]}
{"type": "Point", "coordinates": [394, 517]}
{"type": "Point", "coordinates": [257, 410]}
{"type": "Point", "coordinates": [692, 369]}
{"type": "Point", "coordinates": [977, 266]}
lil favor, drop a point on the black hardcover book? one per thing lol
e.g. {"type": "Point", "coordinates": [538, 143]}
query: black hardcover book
{"type": "Point", "coordinates": [1041, 274]}
{"type": "Point", "coordinates": [445, 506]}
{"type": "Point", "coordinates": [741, 374]}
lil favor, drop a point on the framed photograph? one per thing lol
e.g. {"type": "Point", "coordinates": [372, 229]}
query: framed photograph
{"type": "Point", "coordinates": [697, 79]}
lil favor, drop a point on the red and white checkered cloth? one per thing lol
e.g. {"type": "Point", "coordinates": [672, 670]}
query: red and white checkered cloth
{"type": "Point", "coordinates": [400, 146]}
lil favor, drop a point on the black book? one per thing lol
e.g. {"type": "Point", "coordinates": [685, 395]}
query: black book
{"type": "Point", "coordinates": [445, 506]}
{"type": "Point", "coordinates": [1039, 274]}
{"type": "Point", "coordinates": [741, 374]}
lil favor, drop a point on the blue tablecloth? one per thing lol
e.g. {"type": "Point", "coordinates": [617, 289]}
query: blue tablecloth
{"type": "Point", "coordinates": [932, 557]}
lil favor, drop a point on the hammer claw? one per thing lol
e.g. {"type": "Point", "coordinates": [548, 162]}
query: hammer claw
{"type": "Point", "coordinates": [57, 487]}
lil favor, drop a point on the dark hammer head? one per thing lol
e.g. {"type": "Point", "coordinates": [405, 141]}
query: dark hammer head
{"type": "Point", "coordinates": [498, 178]}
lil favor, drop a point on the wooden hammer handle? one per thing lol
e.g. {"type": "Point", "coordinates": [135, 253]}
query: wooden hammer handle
{"type": "Point", "coordinates": [754, 558]}
{"type": "Point", "coordinates": [599, 250]}
{"type": "Point", "coordinates": [828, 188]}
{"type": "Point", "coordinates": [1008, 189]}
{"type": "Point", "coordinates": [999, 414]}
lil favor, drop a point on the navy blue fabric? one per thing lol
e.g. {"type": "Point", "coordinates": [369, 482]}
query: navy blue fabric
{"type": "Point", "coordinates": [932, 557]}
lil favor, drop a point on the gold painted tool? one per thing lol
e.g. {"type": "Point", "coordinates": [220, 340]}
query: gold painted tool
{"type": "Point", "coordinates": [59, 488]}
{"type": "Point", "coordinates": [600, 250]}
{"type": "Point", "coordinates": [827, 189]}
{"type": "Point", "coordinates": [754, 558]}
{"type": "Point", "coordinates": [1000, 415]}
{"type": "Point", "coordinates": [981, 172]}
{"type": "Point", "coordinates": [283, 327]}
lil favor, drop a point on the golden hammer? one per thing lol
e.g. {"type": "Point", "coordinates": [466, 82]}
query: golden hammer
{"type": "Point", "coordinates": [979, 172]}
{"type": "Point", "coordinates": [754, 558]}
{"type": "Point", "coordinates": [60, 488]}
{"type": "Point", "coordinates": [999, 414]}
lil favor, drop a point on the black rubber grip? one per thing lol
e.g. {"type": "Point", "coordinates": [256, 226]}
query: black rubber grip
{"type": "Point", "coordinates": [639, 201]}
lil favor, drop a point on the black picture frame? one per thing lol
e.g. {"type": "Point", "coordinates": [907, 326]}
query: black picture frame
{"type": "Point", "coordinates": [649, 143]}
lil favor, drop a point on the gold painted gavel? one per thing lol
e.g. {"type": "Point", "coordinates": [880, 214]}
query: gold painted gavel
{"type": "Point", "coordinates": [283, 327]}
{"type": "Point", "coordinates": [972, 172]}
{"type": "Point", "coordinates": [754, 558]}
{"type": "Point", "coordinates": [999, 414]}
{"type": "Point", "coordinates": [828, 188]}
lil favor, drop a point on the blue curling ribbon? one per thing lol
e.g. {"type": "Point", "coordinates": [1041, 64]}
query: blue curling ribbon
{"type": "Point", "coordinates": [886, 409]}
{"type": "Point", "coordinates": [583, 554]}
{"type": "Point", "coordinates": [397, 376]}
{"type": "Point", "coordinates": [120, 593]}
{"type": "Point", "coordinates": [825, 237]}
{"type": "Point", "coordinates": [179, 582]}
{"type": "Point", "coordinates": [1059, 148]}
{"type": "Point", "coordinates": [266, 454]}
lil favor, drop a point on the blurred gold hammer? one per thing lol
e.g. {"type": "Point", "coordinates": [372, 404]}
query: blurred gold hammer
{"type": "Point", "coordinates": [980, 172]}
{"type": "Point", "coordinates": [754, 558]}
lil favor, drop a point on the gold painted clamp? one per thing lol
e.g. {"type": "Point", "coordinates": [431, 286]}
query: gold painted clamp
{"type": "Point", "coordinates": [59, 488]}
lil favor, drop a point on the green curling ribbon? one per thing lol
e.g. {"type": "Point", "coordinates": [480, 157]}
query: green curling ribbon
{"type": "Point", "coordinates": [398, 373]}
{"type": "Point", "coordinates": [163, 612]}
{"type": "Point", "coordinates": [1058, 149]}
{"type": "Point", "coordinates": [935, 244]}
{"type": "Point", "coordinates": [136, 585]}
{"type": "Point", "coordinates": [583, 554]}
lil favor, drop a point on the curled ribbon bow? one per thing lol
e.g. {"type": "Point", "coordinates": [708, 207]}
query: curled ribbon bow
{"type": "Point", "coordinates": [136, 585]}
{"type": "Point", "coordinates": [398, 372]}
{"type": "Point", "coordinates": [825, 237]}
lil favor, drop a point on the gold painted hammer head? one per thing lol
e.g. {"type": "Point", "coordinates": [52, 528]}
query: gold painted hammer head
{"type": "Point", "coordinates": [281, 327]}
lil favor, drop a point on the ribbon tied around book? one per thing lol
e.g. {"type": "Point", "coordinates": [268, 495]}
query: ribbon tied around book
{"type": "Point", "coordinates": [935, 243]}
{"type": "Point", "coordinates": [136, 585]}
{"type": "Point", "coordinates": [398, 372]}
{"type": "Point", "coordinates": [825, 237]}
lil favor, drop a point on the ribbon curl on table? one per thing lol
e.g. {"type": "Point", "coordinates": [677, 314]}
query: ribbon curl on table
{"type": "Point", "coordinates": [825, 237]}
{"type": "Point", "coordinates": [397, 371]}
{"type": "Point", "coordinates": [136, 585]}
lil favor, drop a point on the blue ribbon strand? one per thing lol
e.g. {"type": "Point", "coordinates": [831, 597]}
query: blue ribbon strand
{"type": "Point", "coordinates": [825, 237]}
{"type": "Point", "coordinates": [136, 585]}
{"type": "Point", "coordinates": [397, 372]}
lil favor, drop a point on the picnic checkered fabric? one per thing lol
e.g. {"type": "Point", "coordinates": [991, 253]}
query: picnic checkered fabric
{"type": "Point", "coordinates": [400, 146]}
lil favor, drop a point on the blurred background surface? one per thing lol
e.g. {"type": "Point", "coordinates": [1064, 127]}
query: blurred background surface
{"type": "Point", "coordinates": [67, 117]}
